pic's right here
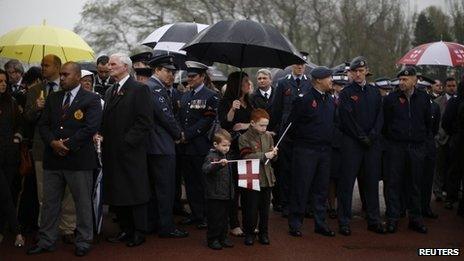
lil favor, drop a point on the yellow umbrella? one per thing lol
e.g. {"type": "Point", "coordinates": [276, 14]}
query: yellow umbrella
{"type": "Point", "coordinates": [32, 43]}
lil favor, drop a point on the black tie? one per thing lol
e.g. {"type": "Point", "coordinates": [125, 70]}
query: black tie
{"type": "Point", "coordinates": [266, 96]}
{"type": "Point", "coordinates": [298, 81]}
{"type": "Point", "coordinates": [115, 88]}
{"type": "Point", "coordinates": [324, 97]}
{"type": "Point", "coordinates": [50, 87]}
{"type": "Point", "coordinates": [169, 94]}
{"type": "Point", "coordinates": [67, 101]}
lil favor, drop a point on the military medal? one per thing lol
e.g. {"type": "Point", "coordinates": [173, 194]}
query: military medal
{"type": "Point", "coordinates": [78, 115]}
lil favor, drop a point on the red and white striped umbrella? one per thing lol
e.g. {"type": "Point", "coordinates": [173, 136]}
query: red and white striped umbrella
{"type": "Point", "coordinates": [437, 53]}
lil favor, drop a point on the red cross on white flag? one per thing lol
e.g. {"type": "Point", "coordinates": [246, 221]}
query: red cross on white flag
{"type": "Point", "coordinates": [248, 174]}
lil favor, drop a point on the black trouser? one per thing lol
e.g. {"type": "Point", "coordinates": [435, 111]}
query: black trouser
{"type": "Point", "coordinates": [406, 163]}
{"type": "Point", "coordinates": [456, 170]}
{"type": "Point", "coordinates": [178, 205]}
{"type": "Point", "coordinates": [429, 170]}
{"type": "Point", "coordinates": [161, 169]}
{"type": "Point", "coordinates": [217, 214]}
{"type": "Point", "coordinates": [233, 210]}
{"type": "Point", "coordinates": [310, 172]}
{"type": "Point", "coordinates": [132, 219]}
{"type": "Point", "coordinates": [358, 160]}
{"type": "Point", "coordinates": [195, 185]}
{"type": "Point", "coordinates": [7, 206]}
{"type": "Point", "coordinates": [255, 204]}
{"type": "Point", "coordinates": [285, 171]}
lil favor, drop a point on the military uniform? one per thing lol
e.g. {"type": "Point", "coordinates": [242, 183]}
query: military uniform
{"type": "Point", "coordinates": [312, 120]}
{"type": "Point", "coordinates": [361, 121]}
{"type": "Point", "coordinates": [287, 90]}
{"type": "Point", "coordinates": [196, 115]}
{"type": "Point", "coordinates": [161, 152]}
{"type": "Point", "coordinates": [407, 127]}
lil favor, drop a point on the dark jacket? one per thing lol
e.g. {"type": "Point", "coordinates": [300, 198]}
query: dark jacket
{"type": "Point", "coordinates": [78, 123]}
{"type": "Point", "coordinates": [196, 116]}
{"type": "Point", "coordinates": [258, 101]}
{"type": "Point", "coordinates": [127, 121]}
{"type": "Point", "coordinates": [10, 125]}
{"type": "Point", "coordinates": [313, 120]}
{"type": "Point", "coordinates": [219, 182]}
{"type": "Point", "coordinates": [360, 111]}
{"type": "Point", "coordinates": [165, 129]}
{"type": "Point", "coordinates": [407, 120]}
{"type": "Point", "coordinates": [286, 91]}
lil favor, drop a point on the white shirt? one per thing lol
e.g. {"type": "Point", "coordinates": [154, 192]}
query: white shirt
{"type": "Point", "coordinates": [73, 94]}
{"type": "Point", "coordinates": [448, 96]}
{"type": "Point", "coordinates": [122, 82]}
{"type": "Point", "coordinates": [264, 92]}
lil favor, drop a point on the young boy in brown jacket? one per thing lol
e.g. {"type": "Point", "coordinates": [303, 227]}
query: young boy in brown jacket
{"type": "Point", "coordinates": [256, 143]}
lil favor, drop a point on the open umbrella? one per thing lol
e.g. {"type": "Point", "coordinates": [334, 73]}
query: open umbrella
{"type": "Point", "coordinates": [244, 43]}
{"type": "Point", "coordinates": [32, 43]}
{"type": "Point", "coordinates": [172, 37]}
{"type": "Point", "coordinates": [437, 53]}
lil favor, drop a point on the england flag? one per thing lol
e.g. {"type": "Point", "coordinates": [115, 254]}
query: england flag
{"type": "Point", "coordinates": [248, 174]}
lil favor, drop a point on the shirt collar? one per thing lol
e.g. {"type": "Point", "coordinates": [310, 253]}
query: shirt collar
{"type": "Point", "coordinates": [199, 88]}
{"type": "Point", "coordinates": [297, 77]}
{"type": "Point", "coordinates": [123, 81]}
{"type": "Point", "coordinates": [268, 92]}
{"type": "Point", "coordinates": [158, 80]}
{"type": "Point", "coordinates": [448, 96]}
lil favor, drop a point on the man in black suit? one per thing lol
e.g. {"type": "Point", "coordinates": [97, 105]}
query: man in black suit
{"type": "Point", "coordinates": [103, 80]}
{"type": "Point", "coordinates": [69, 120]}
{"type": "Point", "coordinates": [127, 121]}
{"type": "Point", "coordinates": [161, 149]}
{"type": "Point", "coordinates": [262, 96]}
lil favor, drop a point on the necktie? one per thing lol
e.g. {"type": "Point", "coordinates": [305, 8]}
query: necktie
{"type": "Point", "coordinates": [169, 93]}
{"type": "Point", "coordinates": [67, 101]}
{"type": "Point", "coordinates": [50, 86]}
{"type": "Point", "coordinates": [324, 97]}
{"type": "Point", "coordinates": [298, 81]}
{"type": "Point", "coordinates": [266, 96]}
{"type": "Point", "coordinates": [115, 88]}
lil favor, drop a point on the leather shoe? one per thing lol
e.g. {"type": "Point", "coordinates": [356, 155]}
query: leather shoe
{"type": "Point", "coordinates": [34, 250]}
{"type": "Point", "coordinates": [176, 233]}
{"type": "Point", "coordinates": [136, 240]}
{"type": "Point", "coordinates": [81, 251]}
{"type": "Point", "coordinates": [277, 208]}
{"type": "Point", "coordinates": [295, 233]}
{"type": "Point", "coordinates": [325, 232]}
{"type": "Point", "coordinates": [202, 225]}
{"type": "Point", "coordinates": [120, 237]}
{"type": "Point", "coordinates": [332, 213]}
{"type": "Point", "coordinates": [344, 230]}
{"type": "Point", "coordinates": [392, 227]}
{"type": "Point", "coordinates": [68, 239]}
{"type": "Point", "coordinates": [187, 221]}
{"type": "Point", "coordinates": [215, 245]}
{"type": "Point", "coordinates": [376, 228]}
{"type": "Point", "coordinates": [249, 240]}
{"type": "Point", "coordinates": [263, 239]}
{"type": "Point", "coordinates": [227, 243]}
{"type": "Point", "coordinates": [418, 227]}
{"type": "Point", "coordinates": [430, 214]}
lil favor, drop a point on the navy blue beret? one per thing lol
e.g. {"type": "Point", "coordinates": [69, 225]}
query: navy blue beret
{"type": "Point", "coordinates": [321, 72]}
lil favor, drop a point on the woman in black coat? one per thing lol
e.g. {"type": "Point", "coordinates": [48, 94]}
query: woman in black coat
{"type": "Point", "coordinates": [9, 158]}
{"type": "Point", "coordinates": [234, 112]}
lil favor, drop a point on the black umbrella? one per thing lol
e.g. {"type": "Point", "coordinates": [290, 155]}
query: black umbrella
{"type": "Point", "coordinates": [244, 43]}
{"type": "Point", "coordinates": [172, 37]}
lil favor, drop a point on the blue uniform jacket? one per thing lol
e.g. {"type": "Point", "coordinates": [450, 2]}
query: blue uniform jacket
{"type": "Point", "coordinates": [360, 111]}
{"type": "Point", "coordinates": [407, 120]}
{"type": "Point", "coordinates": [165, 129]}
{"type": "Point", "coordinates": [313, 120]}
{"type": "Point", "coordinates": [285, 94]}
{"type": "Point", "coordinates": [196, 115]}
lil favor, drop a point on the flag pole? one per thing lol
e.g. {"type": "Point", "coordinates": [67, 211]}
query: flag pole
{"type": "Point", "coordinates": [280, 139]}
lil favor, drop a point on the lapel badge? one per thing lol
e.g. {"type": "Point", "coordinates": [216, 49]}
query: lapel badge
{"type": "Point", "coordinates": [78, 115]}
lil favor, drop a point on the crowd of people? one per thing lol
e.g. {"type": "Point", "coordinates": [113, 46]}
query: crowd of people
{"type": "Point", "coordinates": [314, 135]}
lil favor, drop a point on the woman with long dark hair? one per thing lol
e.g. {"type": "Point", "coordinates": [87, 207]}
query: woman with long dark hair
{"type": "Point", "coordinates": [234, 111]}
{"type": "Point", "coordinates": [9, 158]}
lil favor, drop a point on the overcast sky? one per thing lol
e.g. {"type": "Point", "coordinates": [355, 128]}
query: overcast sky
{"type": "Point", "coordinates": [66, 13]}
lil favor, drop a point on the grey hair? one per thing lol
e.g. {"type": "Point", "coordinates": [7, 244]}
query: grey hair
{"type": "Point", "coordinates": [264, 71]}
{"type": "Point", "coordinates": [124, 58]}
{"type": "Point", "coordinates": [15, 65]}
